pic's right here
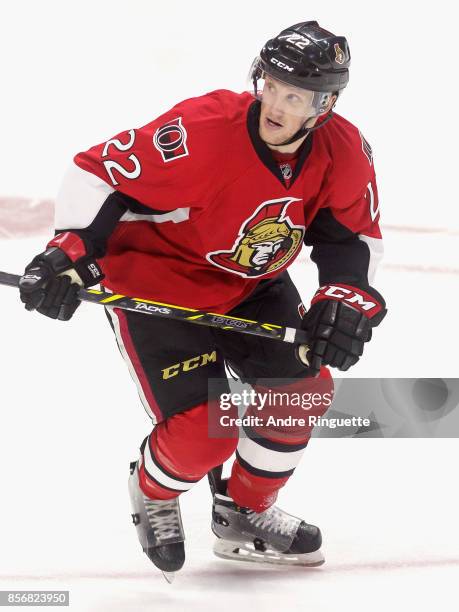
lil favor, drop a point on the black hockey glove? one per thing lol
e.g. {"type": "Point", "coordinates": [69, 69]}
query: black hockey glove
{"type": "Point", "coordinates": [51, 281]}
{"type": "Point", "coordinates": [338, 324]}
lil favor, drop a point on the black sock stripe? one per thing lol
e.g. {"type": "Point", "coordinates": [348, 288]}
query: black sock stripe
{"type": "Point", "coordinates": [270, 444]}
{"type": "Point", "coordinates": [163, 469]}
{"type": "Point", "coordinates": [160, 484]}
{"type": "Point", "coordinates": [263, 473]}
{"type": "Point", "coordinates": [142, 446]}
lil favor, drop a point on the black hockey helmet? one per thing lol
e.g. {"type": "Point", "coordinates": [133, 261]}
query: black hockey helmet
{"type": "Point", "coordinates": [306, 56]}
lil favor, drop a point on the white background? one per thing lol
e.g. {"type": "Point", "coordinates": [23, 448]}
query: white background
{"type": "Point", "coordinates": [75, 73]}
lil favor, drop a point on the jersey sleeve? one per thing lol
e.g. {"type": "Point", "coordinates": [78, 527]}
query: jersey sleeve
{"type": "Point", "coordinates": [345, 234]}
{"type": "Point", "coordinates": [168, 166]}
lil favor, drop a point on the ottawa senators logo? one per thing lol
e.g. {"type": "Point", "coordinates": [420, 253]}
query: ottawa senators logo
{"type": "Point", "coordinates": [170, 140]}
{"type": "Point", "coordinates": [265, 243]}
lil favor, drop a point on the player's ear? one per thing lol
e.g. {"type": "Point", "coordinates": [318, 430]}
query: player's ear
{"type": "Point", "coordinates": [331, 103]}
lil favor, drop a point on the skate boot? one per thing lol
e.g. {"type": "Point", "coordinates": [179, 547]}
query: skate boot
{"type": "Point", "coordinates": [159, 527]}
{"type": "Point", "coordinates": [272, 536]}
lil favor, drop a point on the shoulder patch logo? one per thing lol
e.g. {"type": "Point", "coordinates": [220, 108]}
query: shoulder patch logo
{"type": "Point", "coordinates": [265, 243]}
{"type": "Point", "coordinates": [170, 140]}
{"type": "Point", "coordinates": [366, 148]}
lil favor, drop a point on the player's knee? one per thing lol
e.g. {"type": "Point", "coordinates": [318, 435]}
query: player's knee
{"type": "Point", "coordinates": [190, 443]}
{"type": "Point", "coordinates": [210, 452]}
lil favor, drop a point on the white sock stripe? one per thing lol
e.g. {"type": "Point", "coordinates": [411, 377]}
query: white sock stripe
{"type": "Point", "coordinates": [130, 365]}
{"type": "Point", "coordinates": [265, 459]}
{"type": "Point", "coordinates": [160, 476]}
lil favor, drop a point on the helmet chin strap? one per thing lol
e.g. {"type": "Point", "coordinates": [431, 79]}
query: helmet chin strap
{"type": "Point", "coordinates": [303, 131]}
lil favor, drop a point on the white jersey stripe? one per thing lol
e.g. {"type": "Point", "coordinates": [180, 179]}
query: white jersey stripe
{"type": "Point", "coordinates": [80, 198]}
{"type": "Point", "coordinates": [376, 254]}
{"type": "Point", "coordinates": [176, 216]}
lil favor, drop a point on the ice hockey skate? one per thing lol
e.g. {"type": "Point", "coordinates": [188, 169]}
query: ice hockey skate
{"type": "Point", "coordinates": [272, 536]}
{"type": "Point", "coordinates": [159, 527]}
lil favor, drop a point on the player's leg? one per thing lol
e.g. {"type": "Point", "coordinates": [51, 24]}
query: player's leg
{"type": "Point", "coordinates": [268, 455]}
{"type": "Point", "coordinates": [179, 452]}
{"type": "Point", "coordinates": [170, 363]}
{"type": "Point", "coordinates": [175, 456]}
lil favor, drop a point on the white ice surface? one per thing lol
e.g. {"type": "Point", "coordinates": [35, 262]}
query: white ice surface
{"type": "Point", "coordinates": [71, 422]}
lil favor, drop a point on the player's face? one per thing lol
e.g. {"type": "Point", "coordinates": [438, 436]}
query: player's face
{"type": "Point", "coordinates": [284, 109]}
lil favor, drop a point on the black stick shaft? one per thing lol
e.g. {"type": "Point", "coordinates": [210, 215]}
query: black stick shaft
{"type": "Point", "coordinates": [181, 313]}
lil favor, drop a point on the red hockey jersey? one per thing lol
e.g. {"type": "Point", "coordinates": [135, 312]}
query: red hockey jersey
{"type": "Point", "coordinates": [192, 209]}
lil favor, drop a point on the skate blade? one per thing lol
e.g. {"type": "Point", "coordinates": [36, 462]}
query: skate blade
{"type": "Point", "coordinates": [235, 551]}
{"type": "Point", "coordinates": [169, 576]}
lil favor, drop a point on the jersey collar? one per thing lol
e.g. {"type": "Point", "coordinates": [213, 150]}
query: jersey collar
{"type": "Point", "coordinates": [264, 152]}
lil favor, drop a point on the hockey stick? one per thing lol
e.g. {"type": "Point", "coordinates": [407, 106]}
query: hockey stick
{"type": "Point", "coordinates": [180, 313]}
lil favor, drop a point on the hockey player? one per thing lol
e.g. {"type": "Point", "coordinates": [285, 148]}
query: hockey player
{"type": "Point", "coordinates": [206, 207]}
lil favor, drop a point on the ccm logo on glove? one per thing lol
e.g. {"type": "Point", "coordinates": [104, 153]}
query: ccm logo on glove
{"type": "Point", "coordinates": [338, 324]}
{"type": "Point", "coordinates": [361, 300]}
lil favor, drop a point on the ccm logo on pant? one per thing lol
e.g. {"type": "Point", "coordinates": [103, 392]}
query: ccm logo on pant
{"type": "Point", "coordinates": [189, 364]}
{"type": "Point", "coordinates": [361, 300]}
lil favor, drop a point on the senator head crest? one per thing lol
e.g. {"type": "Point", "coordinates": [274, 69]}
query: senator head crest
{"type": "Point", "coordinates": [265, 243]}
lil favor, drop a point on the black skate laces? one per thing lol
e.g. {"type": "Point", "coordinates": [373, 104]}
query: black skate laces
{"type": "Point", "coordinates": [164, 517]}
